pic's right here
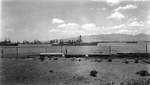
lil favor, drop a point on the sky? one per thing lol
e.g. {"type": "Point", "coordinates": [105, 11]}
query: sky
{"type": "Point", "coordinates": [57, 19]}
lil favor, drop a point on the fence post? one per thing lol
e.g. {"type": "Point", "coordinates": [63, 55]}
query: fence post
{"type": "Point", "coordinates": [17, 50]}
{"type": "Point", "coordinates": [45, 49]}
{"type": "Point", "coordinates": [146, 48]}
{"type": "Point", "coordinates": [109, 50]}
{"type": "Point", "coordinates": [2, 53]}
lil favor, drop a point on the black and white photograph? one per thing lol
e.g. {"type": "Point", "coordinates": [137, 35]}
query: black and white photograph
{"type": "Point", "coordinates": [75, 42]}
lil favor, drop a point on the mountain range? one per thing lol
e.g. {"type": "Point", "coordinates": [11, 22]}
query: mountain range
{"type": "Point", "coordinates": [113, 37]}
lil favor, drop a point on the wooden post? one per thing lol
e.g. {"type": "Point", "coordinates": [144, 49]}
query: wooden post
{"type": "Point", "coordinates": [17, 51]}
{"type": "Point", "coordinates": [146, 48]}
{"type": "Point", "coordinates": [109, 50]}
{"type": "Point", "coordinates": [66, 51]}
{"type": "Point", "coordinates": [2, 52]}
{"type": "Point", "coordinates": [45, 49]}
{"type": "Point", "coordinates": [61, 48]}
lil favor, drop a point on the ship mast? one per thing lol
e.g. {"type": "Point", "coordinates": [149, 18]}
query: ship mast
{"type": "Point", "coordinates": [80, 39]}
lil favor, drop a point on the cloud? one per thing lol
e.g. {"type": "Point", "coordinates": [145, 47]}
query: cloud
{"type": "Point", "coordinates": [110, 2]}
{"type": "Point", "coordinates": [57, 21]}
{"type": "Point", "coordinates": [135, 23]}
{"type": "Point", "coordinates": [129, 6]}
{"type": "Point", "coordinates": [116, 15]}
{"type": "Point", "coordinates": [68, 29]}
{"type": "Point", "coordinates": [90, 26]}
{"type": "Point", "coordinates": [123, 31]}
{"type": "Point", "coordinates": [148, 20]}
{"type": "Point", "coordinates": [119, 26]}
{"type": "Point", "coordinates": [141, 0]}
{"type": "Point", "coordinates": [54, 30]}
{"type": "Point", "coordinates": [74, 29]}
{"type": "Point", "coordinates": [103, 9]}
{"type": "Point", "coordinates": [68, 25]}
{"type": "Point", "coordinates": [132, 26]}
{"type": "Point", "coordinates": [113, 2]}
{"type": "Point", "coordinates": [126, 31]}
{"type": "Point", "coordinates": [98, 9]}
{"type": "Point", "coordinates": [61, 25]}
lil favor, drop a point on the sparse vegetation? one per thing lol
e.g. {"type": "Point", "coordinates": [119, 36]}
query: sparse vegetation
{"type": "Point", "coordinates": [54, 72]}
{"type": "Point", "coordinates": [93, 73]}
{"type": "Point", "coordinates": [98, 60]}
{"type": "Point", "coordinates": [143, 73]}
{"type": "Point", "coordinates": [109, 60]}
{"type": "Point", "coordinates": [55, 58]}
{"type": "Point", "coordinates": [41, 58]}
{"type": "Point", "coordinates": [135, 81]}
{"type": "Point", "coordinates": [51, 71]}
{"type": "Point", "coordinates": [138, 81]}
{"type": "Point", "coordinates": [136, 61]}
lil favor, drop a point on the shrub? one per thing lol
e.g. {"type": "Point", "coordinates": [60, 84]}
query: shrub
{"type": "Point", "coordinates": [93, 73]}
{"type": "Point", "coordinates": [109, 60]}
{"type": "Point", "coordinates": [142, 73]}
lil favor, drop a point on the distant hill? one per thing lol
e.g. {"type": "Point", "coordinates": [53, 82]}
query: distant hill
{"type": "Point", "coordinates": [114, 37]}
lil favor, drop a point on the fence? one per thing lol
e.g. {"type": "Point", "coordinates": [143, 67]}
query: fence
{"type": "Point", "coordinates": [21, 51]}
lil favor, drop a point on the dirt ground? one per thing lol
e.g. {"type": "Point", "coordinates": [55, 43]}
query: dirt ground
{"type": "Point", "coordinates": [65, 71]}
